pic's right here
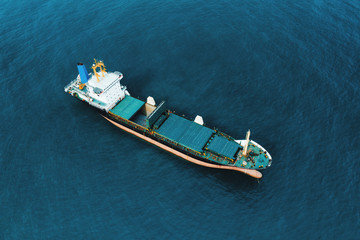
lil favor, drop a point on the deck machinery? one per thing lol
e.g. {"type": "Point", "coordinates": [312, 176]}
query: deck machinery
{"type": "Point", "coordinates": [156, 124]}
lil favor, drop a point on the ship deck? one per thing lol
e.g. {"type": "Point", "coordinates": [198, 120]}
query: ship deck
{"type": "Point", "coordinates": [140, 119]}
{"type": "Point", "coordinates": [185, 132]}
{"type": "Point", "coordinates": [127, 107]}
{"type": "Point", "coordinates": [223, 146]}
{"type": "Point", "coordinates": [214, 145]}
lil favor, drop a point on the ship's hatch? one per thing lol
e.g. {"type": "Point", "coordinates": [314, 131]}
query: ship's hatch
{"type": "Point", "coordinates": [223, 146]}
{"type": "Point", "coordinates": [127, 107]}
{"type": "Point", "coordinates": [185, 132]}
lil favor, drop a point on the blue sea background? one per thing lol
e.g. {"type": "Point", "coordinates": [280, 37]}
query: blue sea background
{"type": "Point", "coordinates": [287, 70]}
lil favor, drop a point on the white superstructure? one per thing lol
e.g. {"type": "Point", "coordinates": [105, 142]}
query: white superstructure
{"type": "Point", "coordinates": [103, 94]}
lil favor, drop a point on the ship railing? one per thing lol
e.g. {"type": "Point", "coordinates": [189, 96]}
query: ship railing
{"type": "Point", "coordinates": [111, 85]}
{"type": "Point", "coordinates": [78, 91]}
{"type": "Point", "coordinates": [96, 105]}
{"type": "Point", "coordinates": [70, 84]}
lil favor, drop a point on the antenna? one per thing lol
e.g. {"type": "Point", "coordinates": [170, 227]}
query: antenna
{"type": "Point", "coordinates": [98, 64]}
{"type": "Point", "coordinates": [244, 153]}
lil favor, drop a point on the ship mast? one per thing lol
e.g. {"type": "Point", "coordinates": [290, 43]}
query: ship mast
{"type": "Point", "coordinates": [244, 153]}
{"type": "Point", "coordinates": [98, 64]}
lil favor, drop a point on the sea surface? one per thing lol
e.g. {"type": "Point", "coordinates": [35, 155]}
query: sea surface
{"type": "Point", "coordinates": [287, 70]}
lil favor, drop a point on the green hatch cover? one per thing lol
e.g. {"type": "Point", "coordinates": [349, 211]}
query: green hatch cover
{"type": "Point", "coordinates": [223, 146]}
{"type": "Point", "coordinates": [185, 132]}
{"type": "Point", "coordinates": [127, 107]}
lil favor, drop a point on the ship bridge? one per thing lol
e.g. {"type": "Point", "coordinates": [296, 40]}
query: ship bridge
{"type": "Point", "coordinates": [100, 89]}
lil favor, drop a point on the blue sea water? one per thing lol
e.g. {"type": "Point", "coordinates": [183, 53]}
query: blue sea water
{"type": "Point", "coordinates": [288, 70]}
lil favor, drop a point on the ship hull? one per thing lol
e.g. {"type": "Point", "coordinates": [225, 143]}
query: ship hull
{"type": "Point", "coordinates": [185, 138]}
{"type": "Point", "coordinates": [251, 172]}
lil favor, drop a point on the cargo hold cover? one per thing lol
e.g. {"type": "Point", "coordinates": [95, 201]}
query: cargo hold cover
{"type": "Point", "coordinates": [223, 146]}
{"type": "Point", "coordinates": [185, 132]}
{"type": "Point", "coordinates": [127, 107]}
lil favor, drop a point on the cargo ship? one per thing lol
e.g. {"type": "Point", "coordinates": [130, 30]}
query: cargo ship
{"type": "Point", "coordinates": [189, 139]}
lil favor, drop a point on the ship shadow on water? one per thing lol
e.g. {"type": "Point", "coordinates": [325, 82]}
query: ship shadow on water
{"type": "Point", "coordinates": [241, 187]}
{"type": "Point", "coordinates": [231, 180]}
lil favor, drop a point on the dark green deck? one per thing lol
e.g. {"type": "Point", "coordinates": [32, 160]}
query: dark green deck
{"type": "Point", "coordinates": [185, 132]}
{"type": "Point", "coordinates": [127, 107]}
{"type": "Point", "coordinates": [223, 146]}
